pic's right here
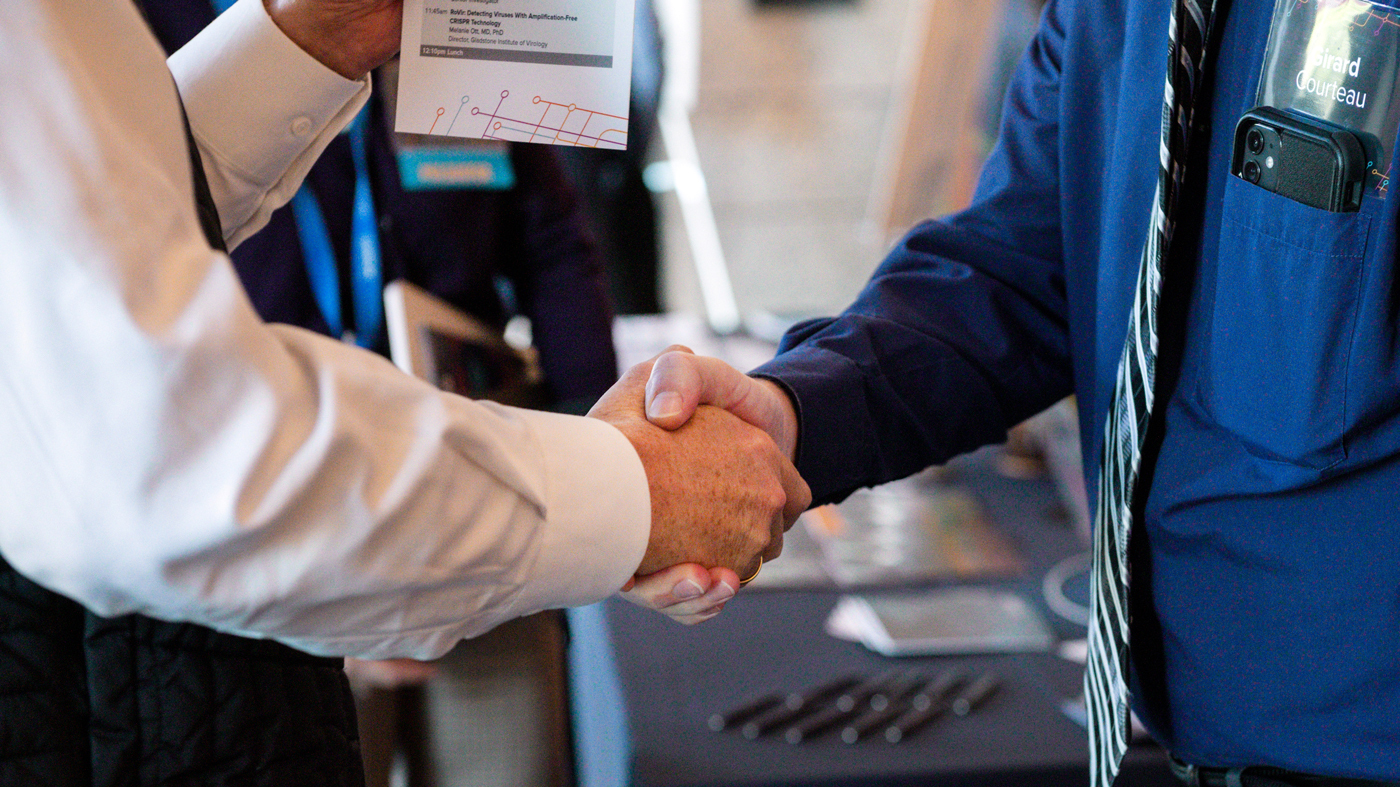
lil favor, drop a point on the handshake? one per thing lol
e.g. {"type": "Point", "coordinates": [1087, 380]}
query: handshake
{"type": "Point", "coordinates": [717, 446]}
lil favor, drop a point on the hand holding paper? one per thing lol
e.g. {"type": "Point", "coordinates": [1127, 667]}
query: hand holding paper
{"type": "Point", "coordinates": [350, 37]}
{"type": "Point", "coordinates": [551, 72]}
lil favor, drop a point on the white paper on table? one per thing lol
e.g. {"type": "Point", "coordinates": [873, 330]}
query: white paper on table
{"type": "Point", "coordinates": [546, 71]}
{"type": "Point", "coordinates": [941, 621]}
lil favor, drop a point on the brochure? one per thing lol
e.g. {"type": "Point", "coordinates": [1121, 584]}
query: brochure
{"type": "Point", "coordinates": [553, 72]}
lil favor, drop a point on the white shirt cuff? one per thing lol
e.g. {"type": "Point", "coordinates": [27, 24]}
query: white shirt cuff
{"type": "Point", "coordinates": [260, 106]}
{"type": "Point", "coordinates": [598, 514]}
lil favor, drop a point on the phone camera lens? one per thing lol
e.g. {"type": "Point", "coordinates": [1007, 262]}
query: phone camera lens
{"type": "Point", "coordinates": [1251, 171]}
{"type": "Point", "coordinates": [1255, 140]}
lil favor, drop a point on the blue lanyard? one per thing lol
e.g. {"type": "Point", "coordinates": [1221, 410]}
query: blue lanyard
{"type": "Point", "coordinates": [366, 265]}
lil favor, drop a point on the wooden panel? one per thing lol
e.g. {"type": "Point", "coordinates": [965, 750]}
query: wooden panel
{"type": "Point", "coordinates": [933, 147]}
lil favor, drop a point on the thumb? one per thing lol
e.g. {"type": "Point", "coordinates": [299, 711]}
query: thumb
{"type": "Point", "coordinates": [681, 382]}
{"type": "Point", "coordinates": [674, 389]}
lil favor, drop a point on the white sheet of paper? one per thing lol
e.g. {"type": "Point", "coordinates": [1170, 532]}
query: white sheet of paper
{"type": "Point", "coordinates": [554, 72]}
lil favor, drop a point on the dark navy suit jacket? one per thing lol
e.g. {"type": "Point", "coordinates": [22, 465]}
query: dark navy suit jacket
{"type": "Point", "coordinates": [1266, 575]}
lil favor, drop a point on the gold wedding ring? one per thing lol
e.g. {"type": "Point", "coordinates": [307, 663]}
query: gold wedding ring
{"type": "Point", "coordinates": [754, 575]}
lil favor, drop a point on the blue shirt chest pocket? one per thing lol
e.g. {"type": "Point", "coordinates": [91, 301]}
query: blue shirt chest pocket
{"type": "Point", "coordinates": [1288, 286]}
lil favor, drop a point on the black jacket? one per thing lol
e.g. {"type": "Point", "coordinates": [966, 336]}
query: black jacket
{"type": "Point", "coordinates": [130, 701]}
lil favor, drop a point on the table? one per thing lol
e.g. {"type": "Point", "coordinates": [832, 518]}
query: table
{"type": "Point", "coordinates": [641, 707]}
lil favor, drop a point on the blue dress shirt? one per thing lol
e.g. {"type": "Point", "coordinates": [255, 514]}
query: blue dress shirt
{"type": "Point", "coordinates": [1267, 566]}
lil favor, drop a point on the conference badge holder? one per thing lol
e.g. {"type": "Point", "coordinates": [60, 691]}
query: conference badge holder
{"type": "Point", "coordinates": [1327, 105]}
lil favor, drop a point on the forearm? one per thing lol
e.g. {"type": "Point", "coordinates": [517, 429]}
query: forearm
{"type": "Point", "coordinates": [935, 358]}
{"type": "Point", "coordinates": [166, 452]}
{"type": "Point", "coordinates": [306, 491]}
{"type": "Point", "coordinates": [962, 331]}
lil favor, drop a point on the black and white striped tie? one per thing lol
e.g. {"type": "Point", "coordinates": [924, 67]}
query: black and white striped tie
{"type": "Point", "coordinates": [1105, 679]}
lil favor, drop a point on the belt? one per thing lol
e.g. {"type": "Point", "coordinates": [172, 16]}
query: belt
{"type": "Point", "coordinates": [1262, 776]}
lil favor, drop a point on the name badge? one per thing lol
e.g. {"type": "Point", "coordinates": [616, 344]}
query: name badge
{"type": "Point", "coordinates": [459, 164]}
{"type": "Point", "coordinates": [427, 163]}
{"type": "Point", "coordinates": [1339, 60]}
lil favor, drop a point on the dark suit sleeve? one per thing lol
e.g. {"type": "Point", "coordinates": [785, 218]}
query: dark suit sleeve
{"type": "Point", "coordinates": [961, 332]}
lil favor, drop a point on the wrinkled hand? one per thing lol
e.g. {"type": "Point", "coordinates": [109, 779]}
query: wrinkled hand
{"type": "Point", "coordinates": [681, 381]}
{"type": "Point", "coordinates": [721, 492]}
{"type": "Point", "coordinates": [688, 593]}
{"type": "Point", "coordinates": [350, 37]}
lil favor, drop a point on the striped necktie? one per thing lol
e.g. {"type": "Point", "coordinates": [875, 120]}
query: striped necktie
{"type": "Point", "coordinates": [1105, 678]}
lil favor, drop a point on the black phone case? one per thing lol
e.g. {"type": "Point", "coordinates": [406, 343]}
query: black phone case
{"type": "Point", "coordinates": [1300, 157]}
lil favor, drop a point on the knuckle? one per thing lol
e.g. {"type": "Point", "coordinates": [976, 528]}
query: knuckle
{"type": "Point", "coordinates": [759, 540]}
{"type": "Point", "coordinates": [753, 439]}
{"type": "Point", "coordinates": [776, 499]}
{"type": "Point", "coordinates": [772, 497]}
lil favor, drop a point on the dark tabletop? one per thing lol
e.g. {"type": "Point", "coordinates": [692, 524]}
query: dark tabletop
{"type": "Point", "coordinates": [674, 677]}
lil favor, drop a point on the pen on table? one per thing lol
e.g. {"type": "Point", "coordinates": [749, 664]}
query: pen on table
{"type": "Point", "coordinates": [816, 724]}
{"type": "Point", "coordinates": [925, 706]}
{"type": "Point", "coordinates": [793, 707]}
{"type": "Point", "coordinates": [938, 689]}
{"type": "Point", "coordinates": [857, 693]}
{"type": "Point", "coordinates": [843, 708]}
{"type": "Point", "coordinates": [920, 699]}
{"type": "Point", "coordinates": [741, 714]}
{"type": "Point", "coordinates": [906, 684]}
{"type": "Point", "coordinates": [913, 720]}
{"type": "Point", "coordinates": [976, 694]}
{"type": "Point", "coordinates": [971, 696]}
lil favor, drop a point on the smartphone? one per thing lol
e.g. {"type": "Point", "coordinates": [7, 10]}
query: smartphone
{"type": "Point", "coordinates": [1304, 158]}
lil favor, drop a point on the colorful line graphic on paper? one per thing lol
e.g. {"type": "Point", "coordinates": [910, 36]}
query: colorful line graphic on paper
{"type": "Point", "coordinates": [541, 121]}
{"type": "Point", "coordinates": [1383, 182]}
{"type": "Point", "coordinates": [1381, 18]}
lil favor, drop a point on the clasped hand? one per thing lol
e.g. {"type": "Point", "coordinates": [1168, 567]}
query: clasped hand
{"type": "Point", "coordinates": [717, 447]}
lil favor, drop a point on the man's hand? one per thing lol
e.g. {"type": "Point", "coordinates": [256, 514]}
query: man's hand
{"type": "Point", "coordinates": [350, 37]}
{"type": "Point", "coordinates": [721, 492]}
{"type": "Point", "coordinates": [390, 673]}
{"type": "Point", "coordinates": [688, 593]}
{"type": "Point", "coordinates": [681, 381]}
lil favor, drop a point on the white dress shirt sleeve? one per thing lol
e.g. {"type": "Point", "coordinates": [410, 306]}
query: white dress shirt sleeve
{"type": "Point", "coordinates": [262, 111]}
{"type": "Point", "coordinates": [163, 451]}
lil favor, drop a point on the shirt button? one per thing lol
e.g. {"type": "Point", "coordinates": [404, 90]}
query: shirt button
{"type": "Point", "coordinates": [301, 125]}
